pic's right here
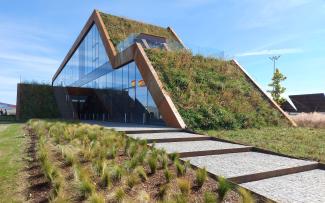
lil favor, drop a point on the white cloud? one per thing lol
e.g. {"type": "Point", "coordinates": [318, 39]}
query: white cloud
{"type": "Point", "coordinates": [271, 52]}
{"type": "Point", "coordinates": [28, 58]}
{"type": "Point", "coordinates": [265, 12]}
{"type": "Point", "coordinates": [29, 31]}
{"type": "Point", "coordinates": [27, 52]}
{"type": "Point", "coordinates": [193, 3]}
{"type": "Point", "coordinates": [9, 81]}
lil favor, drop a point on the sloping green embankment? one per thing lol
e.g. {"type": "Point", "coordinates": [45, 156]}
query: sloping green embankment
{"type": "Point", "coordinates": [213, 94]}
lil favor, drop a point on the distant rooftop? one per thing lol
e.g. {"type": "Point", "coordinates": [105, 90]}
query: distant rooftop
{"type": "Point", "coordinates": [309, 102]}
{"type": "Point", "coordinates": [7, 106]}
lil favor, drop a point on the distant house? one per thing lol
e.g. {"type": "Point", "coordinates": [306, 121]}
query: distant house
{"type": "Point", "coordinates": [288, 107]}
{"type": "Point", "coordinates": [306, 103]}
{"type": "Point", "coordinates": [11, 109]}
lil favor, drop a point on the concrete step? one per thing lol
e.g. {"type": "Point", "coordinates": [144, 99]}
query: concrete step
{"type": "Point", "coordinates": [201, 148]}
{"type": "Point", "coordinates": [160, 137]}
{"type": "Point", "coordinates": [308, 186]}
{"type": "Point", "coordinates": [132, 128]}
{"type": "Point", "coordinates": [250, 166]}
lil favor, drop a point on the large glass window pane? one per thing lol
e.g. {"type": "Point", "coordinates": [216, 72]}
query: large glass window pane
{"type": "Point", "coordinates": [109, 79]}
{"type": "Point", "coordinates": [117, 79]}
{"type": "Point", "coordinates": [85, 62]}
{"type": "Point", "coordinates": [141, 89]}
{"type": "Point", "coordinates": [125, 75]}
{"type": "Point", "coordinates": [116, 94]}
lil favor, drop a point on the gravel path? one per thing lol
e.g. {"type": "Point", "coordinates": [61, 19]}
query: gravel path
{"type": "Point", "coordinates": [166, 135]}
{"type": "Point", "coordinates": [301, 187]}
{"type": "Point", "coordinates": [125, 127]}
{"type": "Point", "coordinates": [238, 164]}
{"type": "Point", "coordinates": [192, 146]}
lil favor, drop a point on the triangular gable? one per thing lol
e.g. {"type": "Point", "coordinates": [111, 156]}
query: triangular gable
{"type": "Point", "coordinates": [134, 53]}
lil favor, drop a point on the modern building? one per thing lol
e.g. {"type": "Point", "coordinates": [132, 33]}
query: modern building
{"type": "Point", "coordinates": [309, 103]}
{"type": "Point", "coordinates": [107, 74]}
{"type": "Point", "coordinates": [103, 80]}
{"type": "Point", "coordinates": [11, 109]}
{"type": "Point", "coordinates": [288, 107]}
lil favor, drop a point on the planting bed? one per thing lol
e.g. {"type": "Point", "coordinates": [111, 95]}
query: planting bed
{"type": "Point", "coordinates": [39, 187]}
{"type": "Point", "coordinates": [80, 162]}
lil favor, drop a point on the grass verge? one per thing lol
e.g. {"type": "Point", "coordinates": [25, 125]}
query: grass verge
{"type": "Point", "coordinates": [299, 142]}
{"type": "Point", "coordinates": [11, 153]}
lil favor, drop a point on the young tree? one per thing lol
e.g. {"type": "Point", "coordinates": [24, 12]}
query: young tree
{"type": "Point", "coordinates": [277, 89]}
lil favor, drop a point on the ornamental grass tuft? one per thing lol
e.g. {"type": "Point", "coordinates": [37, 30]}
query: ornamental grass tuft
{"type": "Point", "coordinates": [201, 176]}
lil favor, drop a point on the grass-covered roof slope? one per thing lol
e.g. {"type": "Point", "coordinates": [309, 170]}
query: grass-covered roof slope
{"type": "Point", "coordinates": [211, 93]}
{"type": "Point", "coordinates": [120, 28]}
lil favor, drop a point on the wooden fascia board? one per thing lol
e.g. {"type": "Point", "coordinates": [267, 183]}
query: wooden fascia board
{"type": "Point", "coordinates": [109, 46]}
{"type": "Point", "coordinates": [271, 101]}
{"type": "Point", "coordinates": [162, 99]}
{"type": "Point", "coordinates": [176, 36]}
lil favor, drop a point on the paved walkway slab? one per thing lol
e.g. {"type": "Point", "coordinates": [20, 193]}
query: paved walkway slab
{"type": "Point", "coordinates": [166, 135]}
{"type": "Point", "coordinates": [240, 164]}
{"type": "Point", "coordinates": [193, 146]}
{"type": "Point", "coordinates": [131, 127]}
{"type": "Point", "coordinates": [301, 187]}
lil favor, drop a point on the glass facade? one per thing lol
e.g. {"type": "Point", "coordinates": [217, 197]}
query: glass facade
{"type": "Point", "coordinates": [150, 40]}
{"type": "Point", "coordinates": [119, 95]}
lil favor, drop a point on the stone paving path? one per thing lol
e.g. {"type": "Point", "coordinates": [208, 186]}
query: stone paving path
{"type": "Point", "coordinates": [130, 127]}
{"type": "Point", "coordinates": [164, 136]}
{"type": "Point", "coordinates": [196, 146]}
{"type": "Point", "coordinates": [238, 164]}
{"type": "Point", "coordinates": [308, 186]}
{"type": "Point", "coordinates": [275, 177]}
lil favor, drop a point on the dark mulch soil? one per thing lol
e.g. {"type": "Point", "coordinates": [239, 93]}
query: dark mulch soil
{"type": "Point", "coordinates": [67, 173]}
{"type": "Point", "coordinates": [38, 187]}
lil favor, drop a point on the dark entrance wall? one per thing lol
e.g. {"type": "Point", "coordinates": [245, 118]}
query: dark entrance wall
{"type": "Point", "coordinates": [36, 101]}
{"type": "Point", "coordinates": [102, 104]}
{"type": "Point", "coordinates": [46, 101]}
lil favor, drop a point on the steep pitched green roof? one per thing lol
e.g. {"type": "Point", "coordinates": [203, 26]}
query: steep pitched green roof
{"type": "Point", "coordinates": [120, 28]}
{"type": "Point", "coordinates": [211, 93]}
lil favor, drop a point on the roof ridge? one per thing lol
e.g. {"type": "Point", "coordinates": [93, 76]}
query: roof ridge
{"type": "Point", "coordinates": [127, 18]}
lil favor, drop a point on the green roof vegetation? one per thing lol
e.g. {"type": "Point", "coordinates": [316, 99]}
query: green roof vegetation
{"type": "Point", "coordinates": [211, 93]}
{"type": "Point", "coordinates": [37, 101]}
{"type": "Point", "coordinates": [299, 142]}
{"type": "Point", "coordinates": [120, 28]}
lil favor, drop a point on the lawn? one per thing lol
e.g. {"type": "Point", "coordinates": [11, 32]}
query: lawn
{"type": "Point", "coordinates": [299, 142]}
{"type": "Point", "coordinates": [11, 153]}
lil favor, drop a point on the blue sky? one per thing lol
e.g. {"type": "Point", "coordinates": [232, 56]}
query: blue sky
{"type": "Point", "coordinates": [35, 35]}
